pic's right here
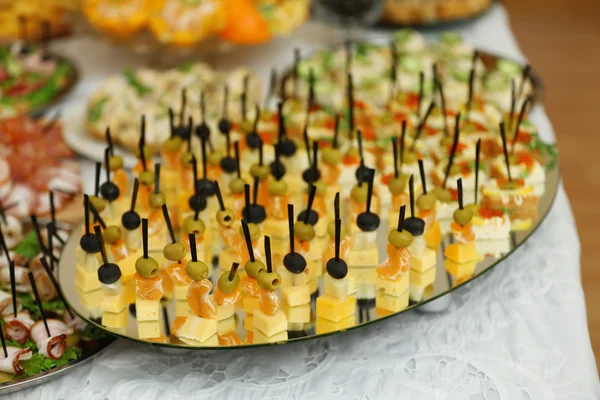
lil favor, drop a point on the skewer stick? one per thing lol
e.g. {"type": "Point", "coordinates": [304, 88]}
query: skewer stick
{"type": "Point", "coordinates": [272, 83]}
{"type": "Point", "coordinates": [145, 237]}
{"type": "Point", "coordinates": [204, 167]}
{"type": "Point", "coordinates": [255, 190]}
{"type": "Point", "coordinates": [296, 65]}
{"type": "Point", "coordinates": [470, 98]}
{"type": "Point", "coordinates": [183, 104]}
{"type": "Point", "coordinates": [248, 240]}
{"type": "Point", "coordinates": [290, 210]}
{"type": "Point", "coordinates": [247, 201]}
{"type": "Point", "coordinates": [460, 193]}
{"type": "Point", "coordinates": [38, 301]}
{"type": "Point", "coordinates": [3, 342]}
{"type": "Point", "coordinates": [524, 107]}
{"type": "Point", "coordinates": [350, 94]}
{"type": "Point", "coordinates": [504, 148]}
{"type": "Point", "coordinates": [97, 216]}
{"type": "Point", "coordinates": [157, 178]}
{"type": "Point", "coordinates": [165, 212]}
{"type": "Point", "coordinates": [100, 240]}
{"type": "Point", "coordinates": [193, 250]}
{"type": "Point", "coordinates": [13, 286]}
{"type": "Point", "coordinates": [411, 188]}
{"type": "Point", "coordinates": [336, 131]}
{"type": "Point", "coordinates": [453, 150]}
{"type": "Point", "coordinates": [236, 148]}
{"type": "Point", "coordinates": [311, 199]}
{"type": "Point", "coordinates": [86, 206]}
{"type": "Point", "coordinates": [306, 143]}
{"type": "Point", "coordinates": [524, 77]}
{"type": "Point", "coordinates": [370, 189]}
{"type": "Point", "coordinates": [136, 186]}
{"type": "Point", "coordinates": [338, 228]}
{"type": "Point", "coordinates": [422, 125]}
{"type": "Point", "coordinates": [422, 173]}
{"type": "Point", "coordinates": [395, 151]}
{"type": "Point", "coordinates": [219, 195]}
{"type": "Point", "coordinates": [56, 286]}
{"type": "Point", "coordinates": [50, 233]}
{"type": "Point", "coordinates": [336, 206]}
{"type": "Point", "coordinates": [513, 101]}
{"type": "Point", "coordinates": [244, 98]}
{"type": "Point", "coordinates": [232, 271]}
{"type": "Point", "coordinates": [477, 157]}
{"type": "Point", "coordinates": [268, 254]}
{"type": "Point", "coordinates": [401, 216]}
{"type": "Point", "coordinates": [402, 143]}
{"type": "Point", "coordinates": [420, 99]}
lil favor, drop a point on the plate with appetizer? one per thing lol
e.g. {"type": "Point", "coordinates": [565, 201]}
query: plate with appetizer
{"type": "Point", "coordinates": [40, 336]}
{"type": "Point", "coordinates": [32, 78]}
{"type": "Point", "coordinates": [332, 210]}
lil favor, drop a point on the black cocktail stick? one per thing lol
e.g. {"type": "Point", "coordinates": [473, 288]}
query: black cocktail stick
{"type": "Point", "coordinates": [460, 193]}
{"type": "Point", "coordinates": [311, 198]}
{"type": "Point", "coordinates": [236, 148]}
{"type": "Point", "coordinates": [165, 212]}
{"type": "Point", "coordinates": [183, 104]}
{"type": "Point", "coordinates": [290, 210]}
{"type": "Point", "coordinates": [395, 152]}
{"type": "Point", "coordinates": [526, 103]}
{"type": "Point", "coordinates": [477, 156]}
{"type": "Point", "coordinates": [421, 89]}
{"type": "Point", "coordinates": [193, 250]}
{"type": "Point", "coordinates": [248, 240]}
{"type": "Point", "coordinates": [13, 286]}
{"type": "Point", "coordinates": [411, 188]}
{"type": "Point", "coordinates": [38, 301]}
{"type": "Point", "coordinates": [336, 131]}
{"type": "Point", "coordinates": [219, 196]}
{"type": "Point", "coordinates": [422, 125]}
{"type": "Point", "coordinates": [232, 271]}
{"type": "Point", "coordinates": [56, 285]}
{"type": "Point", "coordinates": [145, 236]}
{"type": "Point", "coordinates": [453, 150]}
{"type": "Point", "coordinates": [505, 149]}
{"type": "Point", "coordinates": [271, 91]}
{"type": "Point", "coordinates": [268, 258]}
{"type": "Point", "coordinates": [338, 229]}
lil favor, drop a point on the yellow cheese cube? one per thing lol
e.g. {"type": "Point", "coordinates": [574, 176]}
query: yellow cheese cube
{"type": "Point", "coordinates": [422, 279]}
{"type": "Point", "coordinates": [127, 266]}
{"type": "Point", "coordinates": [300, 313]}
{"type": "Point", "coordinates": [318, 246]}
{"type": "Point", "coordinates": [225, 326]}
{"type": "Point", "coordinates": [427, 260]}
{"type": "Point", "coordinates": [323, 325]}
{"type": "Point", "coordinates": [226, 259]}
{"type": "Point", "coordinates": [321, 229]}
{"type": "Point", "coordinates": [295, 295]}
{"type": "Point", "coordinates": [91, 301]}
{"type": "Point", "coordinates": [363, 275]}
{"type": "Point", "coordinates": [286, 278]}
{"type": "Point", "coordinates": [180, 292]}
{"type": "Point", "coordinates": [115, 320]}
{"type": "Point", "coordinates": [393, 287]}
{"type": "Point", "coordinates": [148, 329]}
{"type": "Point", "coordinates": [363, 258]}
{"type": "Point", "coordinates": [260, 337]}
{"type": "Point", "coordinates": [197, 328]}
{"type": "Point", "coordinates": [212, 341]}
{"type": "Point", "coordinates": [114, 303]}
{"type": "Point", "coordinates": [147, 310]}
{"type": "Point", "coordinates": [337, 288]}
{"type": "Point", "coordinates": [223, 312]}
{"type": "Point", "coordinates": [182, 308]}
{"type": "Point", "coordinates": [86, 280]}
{"type": "Point", "coordinates": [280, 246]}
{"type": "Point", "coordinates": [433, 237]}
{"type": "Point", "coordinates": [391, 303]}
{"type": "Point", "coordinates": [129, 290]}
{"type": "Point", "coordinates": [461, 252]}
{"type": "Point", "coordinates": [249, 322]}
{"type": "Point", "coordinates": [460, 270]}
{"type": "Point", "coordinates": [277, 229]}
{"type": "Point", "coordinates": [418, 293]}
{"type": "Point", "coordinates": [295, 326]}
{"type": "Point", "coordinates": [334, 309]}
{"type": "Point", "coordinates": [315, 267]}
{"type": "Point", "coordinates": [250, 304]}
{"type": "Point", "coordinates": [269, 325]}
{"type": "Point", "coordinates": [313, 286]}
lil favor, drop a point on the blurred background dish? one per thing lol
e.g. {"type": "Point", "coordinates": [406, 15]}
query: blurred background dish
{"type": "Point", "coordinates": [425, 12]}
{"type": "Point", "coordinates": [54, 12]}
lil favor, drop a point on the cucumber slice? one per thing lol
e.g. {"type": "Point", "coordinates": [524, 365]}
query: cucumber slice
{"type": "Point", "coordinates": [496, 82]}
{"type": "Point", "coordinates": [509, 68]}
{"type": "Point", "coordinates": [450, 38]}
{"type": "Point", "coordinates": [411, 64]}
{"type": "Point", "coordinates": [402, 36]}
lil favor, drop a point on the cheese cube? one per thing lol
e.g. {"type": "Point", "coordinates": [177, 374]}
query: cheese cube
{"type": "Point", "coordinates": [334, 309]}
{"type": "Point", "coordinates": [433, 237]}
{"type": "Point", "coordinates": [277, 229]}
{"type": "Point", "coordinates": [391, 303]}
{"type": "Point", "coordinates": [460, 270]}
{"type": "Point", "coordinates": [313, 286]}
{"type": "Point", "coordinates": [302, 279]}
{"type": "Point", "coordinates": [269, 325]}
{"type": "Point", "coordinates": [364, 240]}
{"type": "Point", "coordinates": [180, 292]}
{"type": "Point", "coordinates": [365, 290]}
{"type": "Point", "coordinates": [147, 310]}
{"type": "Point", "coordinates": [424, 262]}
{"type": "Point", "coordinates": [299, 314]}
{"type": "Point", "coordinates": [337, 288]}
{"type": "Point", "coordinates": [129, 290]}
{"type": "Point", "coordinates": [225, 326]}
{"type": "Point", "coordinates": [418, 293]}
{"type": "Point", "coordinates": [90, 300]}
{"type": "Point", "coordinates": [224, 312]}
{"type": "Point", "coordinates": [315, 267]}
{"type": "Point", "coordinates": [88, 261]}
{"type": "Point", "coordinates": [197, 328]}
{"type": "Point", "coordinates": [182, 308]}
{"type": "Point", "coordinates": [295, 295]}
{"type": "Point", "coordinates": [393, 287]}
{"type": "Point", "coordinates": [323, 325]}
{"type": "Point", "coordinates": [351, 285]}
{"type": "Point", "coordinates": [422, 279]}
{"type": "Point", "coordinates": [115, 320]}
{"type": "Point", "coordinates": [286, 278]}
{"type": "Point", "coordinates": [212, 341]}
{"type": "Point", "coordinates": [114, 303]}
{"type": "Point", "coordinates": [148, 329]}
{"type": "Point", "coordinates": [260, 337]}
{"type": "Point", "coordinates": [280, 246]}
{"type": "Point", "coordinates": [363, 275]}
{"type": "Point", "coordinates": [318, 246]}
{"type": "Point", "coordinates": [461, 252]}
{"type": "Point", "coordinates": [249, 322]}
{"type": "Point", "coordinates": [86, 280]}
{"type": "Point", "coordinates": [363, 258]}
{"type": "Point", "coordinates": [127, 266]}
{"type": "Point", "coordinates": [295, 326]}
{"type": "Point", "coordinates": [321, 229]}
{"type": "Point", "coordinates": [226, 259]}
{"type": "Point", "coordinates": [250, 304]}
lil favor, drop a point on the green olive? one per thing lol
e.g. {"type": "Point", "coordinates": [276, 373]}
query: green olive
{"type": "Point", "coordinates": [332, 156]}
{"type": "Point", "coordinates": [304, 231]}
{"type": "Point", "coordinates": [214, 158]}
{"type": "Point", "coordinates": [146, 267]}
{"type": "Point", "coordinates": [112, 234]}
{"type": "Point", "coordinates": [260, 171]}
{"type": "Point", "coordinates": [463, 216]}
{"type": "Point", "coordinates": [426, 201]}
{"type": "Point", "coordinates": [175, 251]}
{"type": "Point", "coordinates": [331, 230]}
{"type": "Point", "coordinates": [359, 193]}
{"type": "Point", "coordinates": [473, 207]}
{"type": "Point", "coordinates": [253, 268]}
{"type": "Point", "coordinates": [115, 163]}
{"type": "Point", "coordinates": [98, 203]}
{"type": "Point", "coordinates": [186, 159]}
{"type": "Point", "coordinates": [226, 285]}
{"type": "Point", "coordinates": [173, 144]}
{"type": "Point", "coordinates": [268, 280]}
{"type": "Point", "coordinates": [225, 217]}
{"type": "Point", "coordinates": [148, 153]}
{"type": "Point", "coordinates": [509, 185]}
{"type": "Point", "coordinates": [321, 188]}
{"type": "Point", "coordinates": [196, 270]}
{"type": "Point", "coordinates": [236, 185]}
{"type": "Point", "coordinates": [247, 126]}
{"type": "Point", "coordinates": [157, 199]}
{"type": "Point", "coordinates": [146, 178]}
{"type": "Point", "coordinates": [442, 194]}
{"type": "Point", "coordinates": [195, 226]}
{"type": "Point", "coordinates": [277, 187]}
{"type": "Point", "coordinates": [254, 231]}
{"type": "Point", "coordinates": [446, 141]}
{"type": "Point", "coordinates": [410, 157]}
{"type": "Point", "coordinates": [398, 185]}
{"type": "Point", "coordinates": [400, 239]}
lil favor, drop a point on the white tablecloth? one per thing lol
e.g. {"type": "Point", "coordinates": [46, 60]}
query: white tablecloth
{"type": "Point", "coordinates": [519, 332]}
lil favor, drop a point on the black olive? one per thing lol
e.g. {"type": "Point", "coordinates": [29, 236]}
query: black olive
{"type": "Point", "coordinates": [228, 164]}
{"type": "Point", "coordinates": [257, 214]}
{"type": "Point", "coordinates": [197, 202]}
{"type": "Point", "coordinates": [109, 273]}
{"type": "Point", "coordinates": [313, 217]}
{"type": "Point", "coordinates": [362, 173]}
{"type": "Point", "coordinates": [294, 262]}
{"type": "Point", "coordinates": [205, 186]}
{"type": "Point", "coordinates": [287, 148]}
{"type": "Point", "coordinates": [277, 169]}
{"type": "Point", "coordinates": [131, 220]}
{"type": "Point", "coordinates": [89, 243]}
{"type": "Point", "coordinates": [416, 226]}
{"type": "Point", "coordinates": [311, 175]}
{"type": "Point", "coordinates": [224, 126]}
{"type": "Point", "coordinates": [337, 268]}
{"type": "Point", "coordinates": [253, 140]}
{"type": "Point", "coordinates": [109, 191]}
{"type": "Point", "coordinates": [203, 131]}
{"type": "Point", "coordinates": [368, 221]}
{"type": "Point", "coordinates": [181, 131]}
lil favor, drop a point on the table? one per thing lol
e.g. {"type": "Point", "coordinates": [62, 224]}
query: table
{"type": "Point", "coordinates": [518, 332]}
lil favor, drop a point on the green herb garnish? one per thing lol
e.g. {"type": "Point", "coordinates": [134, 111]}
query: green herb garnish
{"type": "Point", "coordinates": [135, 82]}
{"type": "Point", "coordinates": [39, 363]}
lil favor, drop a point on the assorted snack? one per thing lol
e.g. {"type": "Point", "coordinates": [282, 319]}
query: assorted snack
{"type": "Point", "coordinates": [411, 12]}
